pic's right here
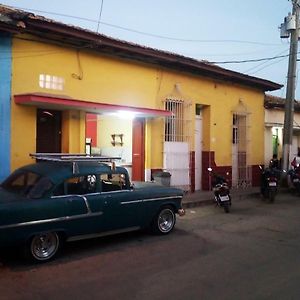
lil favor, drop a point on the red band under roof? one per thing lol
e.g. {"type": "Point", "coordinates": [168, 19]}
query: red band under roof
{"type": "Point", "coordinates": [60, 103]}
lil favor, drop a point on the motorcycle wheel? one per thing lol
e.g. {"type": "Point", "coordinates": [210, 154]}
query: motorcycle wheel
{"type": "Point", "coordinates": [272, 195]}
{"type": "Point", "coordinates": [226, 207]}
{"type": "Point", "coordinates": [266, 194]}
{"type": "Point", "coordinates": [297, 186]}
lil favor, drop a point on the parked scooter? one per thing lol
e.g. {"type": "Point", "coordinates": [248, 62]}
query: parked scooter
{"type": "Point", "coordinates": [269, 183]}
{"type": "Point", "coordinates": [221, 191]}
{"type": "Point", "coordinates": [295, 177]}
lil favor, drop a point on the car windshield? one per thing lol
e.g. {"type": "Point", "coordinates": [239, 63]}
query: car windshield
{"type": "Point", "coordinates": [28, 184]}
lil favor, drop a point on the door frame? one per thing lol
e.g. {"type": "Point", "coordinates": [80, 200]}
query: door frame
{"type": "Point", "coordinates": [57, 127]}
{"type": "Point", "coordinates": [138, 149]}
{"type": "Point", "coordinates": [198, 152]}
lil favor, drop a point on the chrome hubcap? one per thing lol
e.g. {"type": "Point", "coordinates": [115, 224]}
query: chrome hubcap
{"type": "Point", "coordinates": [44, 246]}
{"type": "Point", "coordinates": [166, 220]}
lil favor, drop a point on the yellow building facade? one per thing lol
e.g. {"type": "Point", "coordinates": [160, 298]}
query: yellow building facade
{"type": "Point", "coordinates": [206, 115]}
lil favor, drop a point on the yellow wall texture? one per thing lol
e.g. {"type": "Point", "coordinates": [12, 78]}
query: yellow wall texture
{"type": "Point", "coordinates": [23, 135]}
{"type": "Point", "coordinates": [220, 100]}
{"type": "Point", "coordinates": [108, 125]}
{"type": "Point", "coordinates": [73, 132]}
{"type": "Point", "coordinates": [94, 77]}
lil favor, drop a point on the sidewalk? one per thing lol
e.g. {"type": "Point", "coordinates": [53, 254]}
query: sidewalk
{"type": "Point", "coordinates": [206, 197]}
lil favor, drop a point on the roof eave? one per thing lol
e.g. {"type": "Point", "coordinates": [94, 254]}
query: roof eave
{"type": "Point", "coordinates": [78, 37]}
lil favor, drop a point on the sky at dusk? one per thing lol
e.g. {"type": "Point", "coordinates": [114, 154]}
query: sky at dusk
{"type": "Point", "coordinates": [218, 31]}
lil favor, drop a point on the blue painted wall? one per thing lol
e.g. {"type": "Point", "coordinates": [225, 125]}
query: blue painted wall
{"type": "Point", "coordinates": [5, 98]}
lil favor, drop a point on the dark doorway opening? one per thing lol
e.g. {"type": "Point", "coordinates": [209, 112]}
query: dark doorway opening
{"type": "Point", "coordinates": [48, 131]}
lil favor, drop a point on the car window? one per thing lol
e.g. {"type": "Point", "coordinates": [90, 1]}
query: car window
{"type": "Point", "coordinates": [113, 182]}
{"type": "Point", "coordinates": [39, 189]}
{"type": "Point", "coordinates": [27, 183]}
{"type": "Point", "coordinates": [78, 185]}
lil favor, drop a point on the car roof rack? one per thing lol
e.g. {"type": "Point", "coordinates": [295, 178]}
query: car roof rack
{"type": "Point", "coordinates": [74, 158]}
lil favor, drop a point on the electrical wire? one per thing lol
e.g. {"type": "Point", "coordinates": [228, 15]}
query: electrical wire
{"type": "Point", "coordinates": [229, 54]}
{"type": "Point", "coordinates": [250, 60]}
{"type": "Point", "coordinates": [213, 62]}
{"type": "Point", "coordinates": [146, 33]}
{"type": "Point", "coordinates": [264, 67]}
{"type": "Point", "coordinates": [223, 62]}
{"type": "Point", "coordinates": [100, 14]}
{"type": "Point", "coordinates": [264, 62]}
{"type": "Point", "coordinates": [29, 56]}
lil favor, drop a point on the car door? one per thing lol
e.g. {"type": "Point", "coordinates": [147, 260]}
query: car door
{"type": "Point", "coordinates": [83, 206]}
{"type": "Point", "coordinates": [122, 205]}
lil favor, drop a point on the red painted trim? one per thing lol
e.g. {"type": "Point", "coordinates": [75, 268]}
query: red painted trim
{"type": "Point", "coordinates": [91, 128]}
{"type": "Point", "coordinates": [208, 160]}
{"type": "Point", "coordinates": [192, 171]}
{"type": "Point", "coordinates": [93, 107]}
{"type": "Point", "coordinates": [256, 175]}
{"type": "Point", "coordinates": [138, 150]}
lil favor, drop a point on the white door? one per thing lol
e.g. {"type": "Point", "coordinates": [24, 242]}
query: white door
{"type": "Point", "coordinates": [235, 165]}
{"type": "Point", "coordinates": [176, 161]}
{"type": "Point", "coordinates": [240, 170]}
{"type": "Point", "coordinates": [198, 152]}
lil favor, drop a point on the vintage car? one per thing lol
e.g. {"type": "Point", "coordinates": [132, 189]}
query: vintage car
{"type": "Point", "coordinates": [67, 198]}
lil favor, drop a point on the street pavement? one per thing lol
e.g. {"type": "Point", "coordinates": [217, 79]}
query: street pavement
{"type": "Point", "coordinates": [251, 253]}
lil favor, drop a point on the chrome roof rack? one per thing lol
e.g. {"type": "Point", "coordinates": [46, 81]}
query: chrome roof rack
{"type": "Point", "coordinates": [74, 158]}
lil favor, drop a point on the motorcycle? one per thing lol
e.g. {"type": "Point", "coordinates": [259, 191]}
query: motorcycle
{"type": "Point", "coordinates": [269, 183]}
{"type": "Point", "coordinates": [295, 178]}
{"type": "Point", "coordinates": [221, 191]}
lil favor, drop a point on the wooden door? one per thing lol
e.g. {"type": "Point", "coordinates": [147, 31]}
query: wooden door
{"type": "Point", "coordinates": [48, 131]}
{"type": "Point", "coordinates": [138, 150]}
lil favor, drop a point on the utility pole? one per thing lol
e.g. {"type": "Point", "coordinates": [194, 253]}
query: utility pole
{"type": "Point", "coordinates": [292, 28]}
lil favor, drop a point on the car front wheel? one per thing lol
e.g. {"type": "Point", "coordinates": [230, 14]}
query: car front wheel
{"type": "Point", "coordinates": [164, 221]}
{"type": "Point", "coordinates": [44, 246]}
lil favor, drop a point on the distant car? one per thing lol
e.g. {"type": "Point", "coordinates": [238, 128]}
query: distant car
{"type": "Point", "coordinates": [67, 198]}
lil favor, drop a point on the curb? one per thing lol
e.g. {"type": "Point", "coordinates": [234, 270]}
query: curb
{"type": "Point", "coordinates": [197, 203]}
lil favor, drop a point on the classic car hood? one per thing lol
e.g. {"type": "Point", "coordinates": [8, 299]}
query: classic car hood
{"type": "Point", "coordinates": [142, 184]}
{"type": "Point", "coordinates": [153, 185]}
{"type": "Point", "coordinates": [6, 196]}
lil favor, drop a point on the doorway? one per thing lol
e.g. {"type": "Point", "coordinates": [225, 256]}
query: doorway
{"type": "Point", "coordinates": [138, 150]}
{"type": "Point", "coordinates": [198, 152]}
{"type": "Point", "coordinates": [241, 172]}
{"type": "Point", "coordinates": [48, 131]}
{"type": "Point", "coordinates": [119, 136]}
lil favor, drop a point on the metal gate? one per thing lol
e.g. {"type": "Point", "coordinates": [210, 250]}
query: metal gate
{"type": "Point", "coordinates": [241, 170]}
{"type": "Point", "coordinates": [177, 138]}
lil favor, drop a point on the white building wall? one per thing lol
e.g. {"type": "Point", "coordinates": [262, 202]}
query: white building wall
{"type": "Point", "coordinates": [268, 145]}
{"type": "Point", "coordinates": [274, 118]}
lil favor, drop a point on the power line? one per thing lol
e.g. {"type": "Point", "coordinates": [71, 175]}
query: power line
{"type": "Point", "coordinates": [99, 19]}
{"type": "Point", "coordinates": [249, 60]}
{"type": "Point", "coordinates": [33, 55]}
{"type": "Point", "coordinates": [232, 54]}
{"type": "Point", "coordinates": [147, 33]}
{"type": "Point", "coordinates": [271, 64]}
{"type": "Point", "coordinates": [264, 62]}
{"type": "Point", "coordinates": [46, 52]}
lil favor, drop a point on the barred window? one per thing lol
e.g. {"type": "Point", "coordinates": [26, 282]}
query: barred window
{"type": "Point", "coordinates": [174, 125]}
